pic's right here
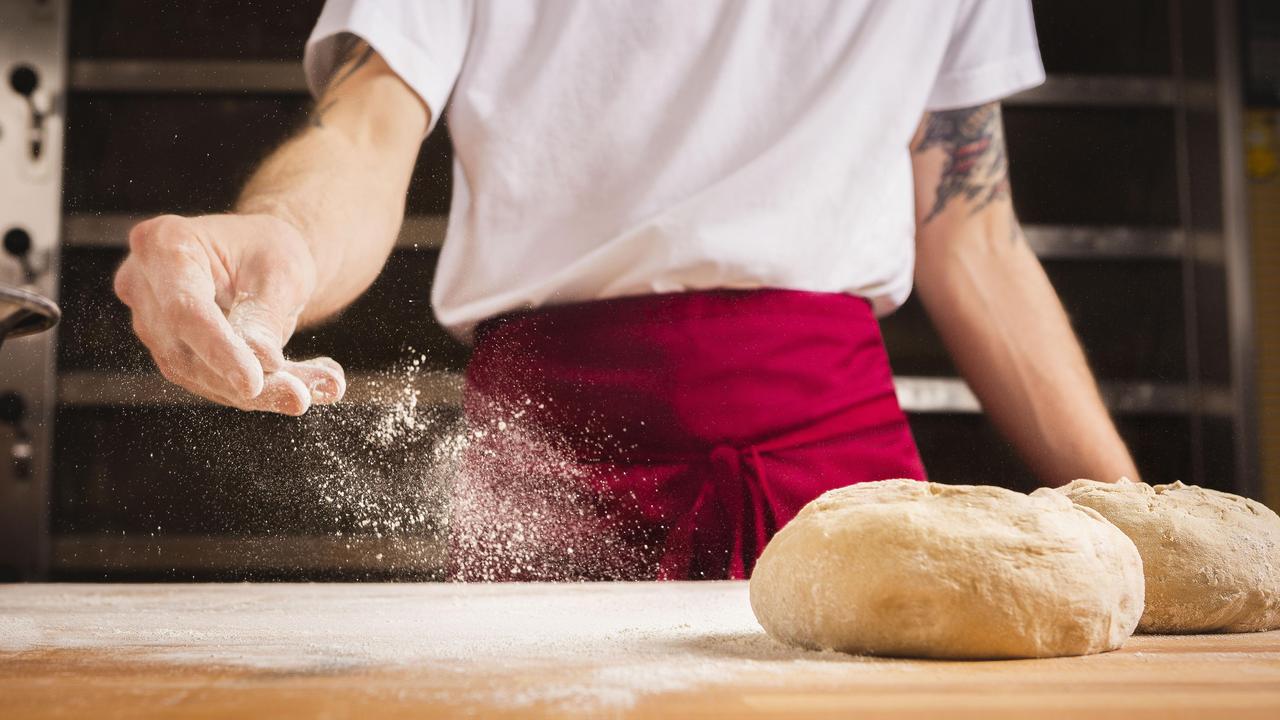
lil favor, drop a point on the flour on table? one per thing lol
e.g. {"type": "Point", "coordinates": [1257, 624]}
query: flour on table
{"type": "Point", "coordinates": [606, 644]}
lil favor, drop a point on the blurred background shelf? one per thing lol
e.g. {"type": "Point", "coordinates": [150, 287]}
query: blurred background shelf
{"type": "Point", "coordinates": [426, 232]}
{"type": "Point", "coordinates": [916, 394]}
{"type": "Point", "coordinates": [187, 76]}
{"type": "Point", "coordinates": [261, 557]}
{"type": "Point", "coordinates": [111, 230]}
{"type": "Point", "coordinates": [952, 395]}
{"type": "Point", "coordinates": [286, 77]}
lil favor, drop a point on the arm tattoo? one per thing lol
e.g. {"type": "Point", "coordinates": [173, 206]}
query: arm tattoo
{"type": "Point", "coordinates": [977, 168]}
{"type": "Point", "coordinates": [352, 65]}
{"type": "Point", "coordinates": [354, 54]}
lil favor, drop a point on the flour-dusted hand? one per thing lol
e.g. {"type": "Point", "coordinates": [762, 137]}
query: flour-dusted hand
{"type": "Point", "coordinates": [216, 298]}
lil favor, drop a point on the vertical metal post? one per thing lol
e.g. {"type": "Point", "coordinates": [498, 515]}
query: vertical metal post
{"type": "Point", "coordinates": [1237, 251]}
{"type": "Point", "coordinates": [32, 110]}
{"type": "Point", "coordinates": [1190, 298]}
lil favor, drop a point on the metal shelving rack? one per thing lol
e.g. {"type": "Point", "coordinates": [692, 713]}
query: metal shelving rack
{"type": "Point", "coordinates": [1203, 244]}
{"type": "Point", "coordinates": [917, 394]}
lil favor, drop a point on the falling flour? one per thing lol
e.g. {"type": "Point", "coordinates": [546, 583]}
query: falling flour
{"type": "Point", "coordinates": [499, 498]}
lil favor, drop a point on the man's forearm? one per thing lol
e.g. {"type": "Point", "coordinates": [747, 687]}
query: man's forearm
{"type": "Point", "coordinates": [342, 180]}
{"type": "Point", "coordinates": [1011, 340]}
{"type": "Point", "coordinates": [994, 307]}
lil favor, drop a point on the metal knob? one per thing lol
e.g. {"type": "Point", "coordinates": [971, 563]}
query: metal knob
{"type": "Point", "coordinates": [24, 80]}
{"type": "Point", "coordinates": [17, 242]}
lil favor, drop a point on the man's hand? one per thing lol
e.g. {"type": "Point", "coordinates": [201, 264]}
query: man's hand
{"type": "Point", "coordinates": [216, 298]}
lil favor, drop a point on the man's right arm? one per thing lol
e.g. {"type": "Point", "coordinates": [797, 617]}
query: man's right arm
{"type": "Point", "coordinates": [215, 298]}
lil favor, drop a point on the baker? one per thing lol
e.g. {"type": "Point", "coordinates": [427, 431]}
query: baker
{"type": "Point", "coordinates": [673, 228]}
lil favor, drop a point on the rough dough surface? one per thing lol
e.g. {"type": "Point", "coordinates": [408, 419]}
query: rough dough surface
{"type": "Point", "coordinates": [912, 569]}
{"type": "Point", "coordinates": [1212, 559]}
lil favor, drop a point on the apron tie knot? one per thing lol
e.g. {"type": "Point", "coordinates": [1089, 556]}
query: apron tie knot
{"type": "Point", "coordinates": [727, 460]}
{"type": "Point", "coordinates": [735, 492]}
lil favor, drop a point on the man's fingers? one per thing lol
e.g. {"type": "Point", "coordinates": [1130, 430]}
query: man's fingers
{"type": "Point", "coordinates": [264, 328]}
{"type": "Point", "coordinates": [270, 294]}
{"type": "Point", "coordinates": [234, 368]}
{"type": "Point", "coordinates": [291, 391]}
{"type": "Point", "coordinates": [283, 393]}
{"type": "Point", "coordinates": [198, 351]}
{"type": "Point", "coordinates": [179, 365]}
{"type": "Point", "coordinates": [323, 378]}
{"type": "Point", "coordinates": [183, 306]}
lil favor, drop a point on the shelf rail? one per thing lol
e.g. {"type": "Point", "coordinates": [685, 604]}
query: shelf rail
{"type": "Point", "coordinates": [1050, 242]}
{"type": "Point", "coordinates": [916, 394]}
{"type": "Point", "coordinates": [282, 77]}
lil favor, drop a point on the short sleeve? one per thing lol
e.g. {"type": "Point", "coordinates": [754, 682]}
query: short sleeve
{"type": "Point", "coordinates": [992, 53]}
{"type": "Point", "coordinates": [423, 41]}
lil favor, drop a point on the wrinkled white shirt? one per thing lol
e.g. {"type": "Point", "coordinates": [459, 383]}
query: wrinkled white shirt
{"type": "Point", "coordinates": [614, 147]}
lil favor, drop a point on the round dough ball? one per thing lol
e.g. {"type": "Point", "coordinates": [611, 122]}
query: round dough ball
{"type": "Point", "coordinates": [1212, 559]}
{"type": "Point", "coordinates": [912, 569]}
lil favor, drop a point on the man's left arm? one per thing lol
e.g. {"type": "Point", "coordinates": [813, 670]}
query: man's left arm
{"type": "Point", "coordinates": [994, 307]}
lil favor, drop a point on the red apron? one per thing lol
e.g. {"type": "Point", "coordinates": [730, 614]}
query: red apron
{"type": "Point", "coordinates": [667, 436]}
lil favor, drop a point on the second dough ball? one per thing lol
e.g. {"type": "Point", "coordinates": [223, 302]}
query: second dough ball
{"type": "Point", "coordinates": [1212, 559]}
{"type": "Point", "coordinates": [913, 569]}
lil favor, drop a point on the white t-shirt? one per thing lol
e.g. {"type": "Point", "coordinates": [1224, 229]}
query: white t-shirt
{"type": "Point", "coordinates": [616, 147]}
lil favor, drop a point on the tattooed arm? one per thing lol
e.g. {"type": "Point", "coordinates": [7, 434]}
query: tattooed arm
{"type": "Point", "coordinates": [994, 307]}
{"type": "Point", "coordinates": [216, 298]}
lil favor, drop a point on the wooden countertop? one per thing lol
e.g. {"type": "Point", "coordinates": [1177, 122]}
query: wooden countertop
{"type": "Point", "coordinates": [578, 650]}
